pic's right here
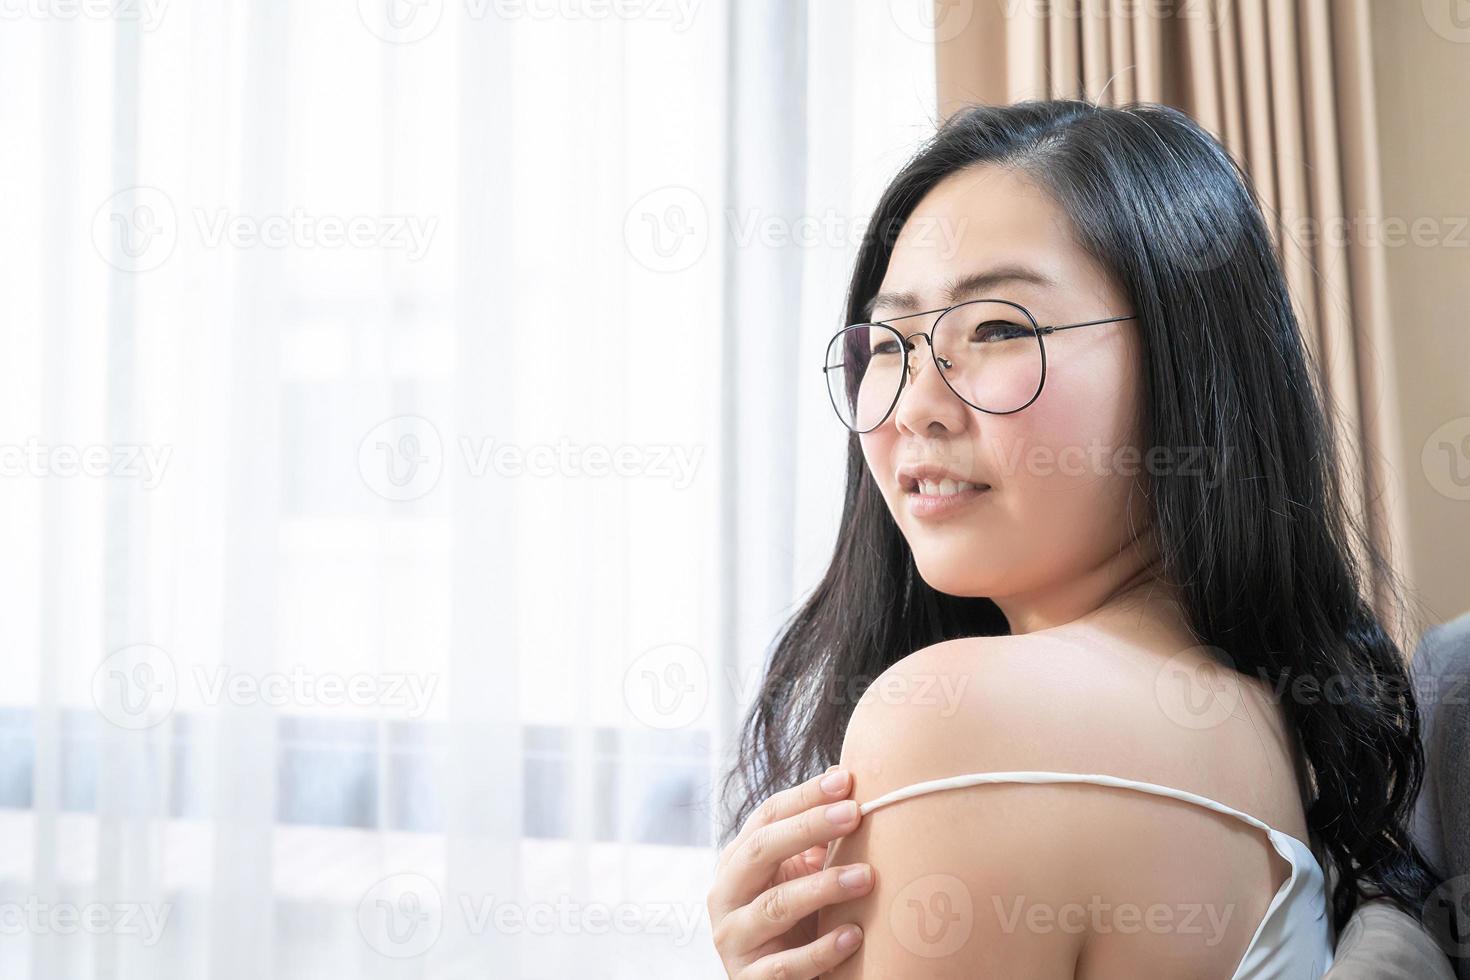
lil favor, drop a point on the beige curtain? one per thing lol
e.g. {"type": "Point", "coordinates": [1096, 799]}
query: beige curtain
{"type": "Point", "coordinates": [1287, 87]}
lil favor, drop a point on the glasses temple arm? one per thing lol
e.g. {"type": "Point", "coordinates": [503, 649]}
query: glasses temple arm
{"type": "Point", "coordinates": [1073, 326]}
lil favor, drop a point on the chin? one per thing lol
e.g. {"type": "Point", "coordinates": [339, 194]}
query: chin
{"type": "Point", "coordinates": [954, 577]}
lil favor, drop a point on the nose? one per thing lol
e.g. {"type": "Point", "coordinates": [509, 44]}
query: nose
{"type": "Point", "coordinates": [927, 399]}
{"type": "Point", "coordinates": [917, 358]}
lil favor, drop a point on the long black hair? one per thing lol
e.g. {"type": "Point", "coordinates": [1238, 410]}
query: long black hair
{"type": "Point", "coordinates": [1272, 565]}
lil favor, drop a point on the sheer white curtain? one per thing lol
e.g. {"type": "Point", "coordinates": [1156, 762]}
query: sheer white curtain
{"type": "Point", "coordinates": [411, 441]}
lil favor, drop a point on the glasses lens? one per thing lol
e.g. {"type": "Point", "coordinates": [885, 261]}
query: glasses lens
{"type": "Point", "coordinates": [864, 371]}
{"type": "Point", "coordinates": [991, 354]}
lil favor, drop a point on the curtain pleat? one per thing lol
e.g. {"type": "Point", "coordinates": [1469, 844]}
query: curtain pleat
{"type": "Point", "coordinates": [1066, 52]}
{"type": "Point", "coordinates": [1227, 36]}
{"type": "Point", "coordinates": [1199, 77]}
{"type": "Point", "coordinates": [1148, 51]}
{"type": "Point", "coordinates": [1121, 81]}
{"type": "Point", "coordinates": [1095, 46]}
{"type": "Point", "coordinates": [1329, 311]}
{"type": "Point", "coordinates": [1025, 52]}
{"type": "Point", "coordinates": [1260, 141]}
{"type": "Point", "coordinates": [1291, 165]}
{"type": "Point", "coordinates": [1287, 88]}
{"type": "Point", "coordinates": [1378, 439]}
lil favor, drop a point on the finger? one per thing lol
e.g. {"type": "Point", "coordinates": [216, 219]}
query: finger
{"type": "Point", "coordinates": [754, 864]}
{"type": "Point", "coordinates": [815, 857]}
{"type": "Point", "coordinates": [811, 960]}
{"type": "Point", "coordinates": [781, 907]}
{"type": "Point", "coordinates": [811, 860]}
{"type": "Point", "coordinates": [730, 893]}
{"type": "Point", "coordinates": [833, 784]}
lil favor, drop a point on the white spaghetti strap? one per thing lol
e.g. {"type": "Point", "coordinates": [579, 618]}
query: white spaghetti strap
{"type": "Point", "coordinates": [1293, 939]}
{"type": "Point", "coordinates": [978, 778]}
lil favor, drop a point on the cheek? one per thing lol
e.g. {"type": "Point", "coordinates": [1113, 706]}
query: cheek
{"type": "Point", "coordinates": [878, 450]}
{"type": "Point", "coordinates": [1072, 456]}
{"type": "Point", "coordinates": [874, 450]}
{"type": "Point", "coordinates": [1062, 445]}
{"type": "Point", "coordinates": [1089, 402]}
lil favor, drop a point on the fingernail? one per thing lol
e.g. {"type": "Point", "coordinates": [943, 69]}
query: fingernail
{"type": "Point", "coordinates": [853, 877]}
{"type": "Point", "coordinates": [842, 812]}
{"type": "Point", "coordinates": [834, 782]}
{"type": "Point", "coordinates": [847, 939]}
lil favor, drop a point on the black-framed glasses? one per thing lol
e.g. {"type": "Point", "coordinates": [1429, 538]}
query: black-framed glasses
{"type": "Point", "coordinates": [989, 352]}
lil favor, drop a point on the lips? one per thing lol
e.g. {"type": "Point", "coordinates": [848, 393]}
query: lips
{"type": "Point", "coordinates": [934, 491]}
{"type": "Point", "coordinates": [943, 488]}
{"type": "Point", "coordinates": [932, 480]}
{"type": "Point", "coordinates": [933, 507]}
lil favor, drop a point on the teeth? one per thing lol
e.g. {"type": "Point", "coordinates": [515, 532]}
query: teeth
{"type": "Point", "coordinates": [943, 488]}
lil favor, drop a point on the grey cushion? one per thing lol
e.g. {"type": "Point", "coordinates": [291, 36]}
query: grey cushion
{"type": "Point", "coordinates": [1380, 942]}
{"type": "Point", "coordinates": [1441, 669]}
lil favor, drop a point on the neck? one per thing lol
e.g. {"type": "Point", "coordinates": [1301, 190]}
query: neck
{"type": "Point", "coordinates": [1126, 588]}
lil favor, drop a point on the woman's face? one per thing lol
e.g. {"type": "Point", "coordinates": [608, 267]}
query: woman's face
{"type": "Point", "coordinates": [1059, 472]}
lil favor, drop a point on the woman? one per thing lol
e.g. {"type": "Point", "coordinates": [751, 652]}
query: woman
{"type": "Point", "coordinates": [1126, 710]}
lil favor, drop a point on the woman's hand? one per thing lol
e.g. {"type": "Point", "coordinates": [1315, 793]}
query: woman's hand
{"type": "Point", "coordinates": [769, 884]}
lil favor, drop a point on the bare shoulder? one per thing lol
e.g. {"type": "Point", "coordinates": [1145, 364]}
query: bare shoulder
{"type": "Point", "coordinates": [1174, 715]}
{"type": "Point", "coordinates": [1042, 874]}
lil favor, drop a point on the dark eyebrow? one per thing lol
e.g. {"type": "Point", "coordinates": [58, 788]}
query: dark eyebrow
{"type": "Point", "coordinates": [965, 285]}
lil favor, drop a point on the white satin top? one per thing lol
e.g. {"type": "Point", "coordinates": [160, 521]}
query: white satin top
{"type": "Point", "coordinates": [1293, 940]}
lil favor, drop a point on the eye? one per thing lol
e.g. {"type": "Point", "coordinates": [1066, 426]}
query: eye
{"type": "Point", "coordinates": [992, 331]}
{"type": "Point", "coordinates": [885, 347]}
